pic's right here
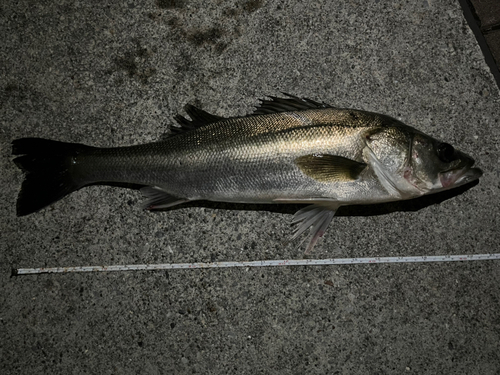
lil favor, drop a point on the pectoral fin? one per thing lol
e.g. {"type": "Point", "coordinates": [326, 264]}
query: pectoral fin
{"type": "Point", "coordinates": [329, 168]}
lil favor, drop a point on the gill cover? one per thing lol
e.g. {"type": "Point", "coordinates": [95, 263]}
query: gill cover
{"type": "Point", "coordinates": [388, 152]}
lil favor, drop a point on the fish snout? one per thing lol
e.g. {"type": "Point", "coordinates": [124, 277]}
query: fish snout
{"type": "Point", "coordinates": [462, 174]}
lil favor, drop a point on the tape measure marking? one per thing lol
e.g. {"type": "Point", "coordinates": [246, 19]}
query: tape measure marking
{"type": "Point", "coordinates": [259, 263]}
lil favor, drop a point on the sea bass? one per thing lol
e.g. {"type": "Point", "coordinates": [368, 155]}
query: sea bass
{"type": "Point", "coordinates": [290, 150]}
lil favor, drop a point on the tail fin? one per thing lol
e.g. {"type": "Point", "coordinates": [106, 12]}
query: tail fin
{"type": "Point", "coordinates": [48, 174]}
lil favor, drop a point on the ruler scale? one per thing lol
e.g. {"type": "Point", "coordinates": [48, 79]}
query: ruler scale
{"type": "Point", "coordinates": [259, 263]}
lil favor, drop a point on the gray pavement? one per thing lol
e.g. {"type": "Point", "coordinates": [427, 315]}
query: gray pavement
{"type": "Point", "coordinates": [115, 73]}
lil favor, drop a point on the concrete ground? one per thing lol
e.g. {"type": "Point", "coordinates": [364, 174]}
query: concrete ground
{"type": "Point", "coordinates": [115, 73]}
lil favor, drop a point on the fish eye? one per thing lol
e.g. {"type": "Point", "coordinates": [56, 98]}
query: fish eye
{"type": "Point", "coordinates": [446, 152]}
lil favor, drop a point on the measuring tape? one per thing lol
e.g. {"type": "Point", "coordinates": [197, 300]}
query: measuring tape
{"type": "Point", "coordinates": [259, 263]}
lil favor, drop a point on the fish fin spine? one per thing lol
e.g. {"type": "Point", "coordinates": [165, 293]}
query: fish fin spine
{"type": "Point", "coordinates": [199, 118]}
{"type": "Point", "coordinates": [289, 104]}
{"type": "Point", "coordinates": [316, 218]}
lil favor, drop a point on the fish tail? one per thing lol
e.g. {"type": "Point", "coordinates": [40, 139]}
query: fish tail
{"type": "Point", "coordinates": [47, 165]}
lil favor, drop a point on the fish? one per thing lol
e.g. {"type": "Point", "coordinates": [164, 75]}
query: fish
{"type": "Point", "coordinates": [290, 150]}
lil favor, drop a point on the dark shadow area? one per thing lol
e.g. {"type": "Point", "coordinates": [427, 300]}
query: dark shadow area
{"type": "Point", "coordinates": [353, 210]}
{"type": "Point", "coordinates": [475, 25]}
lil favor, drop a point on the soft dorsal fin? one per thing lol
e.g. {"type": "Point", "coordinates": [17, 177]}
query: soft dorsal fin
{"type": "Point", "coordinates": [292, 103]}
{"type": "Point", "coordinates": [198, 116]}
{"type": "Point", "coordinates": [330, 168]}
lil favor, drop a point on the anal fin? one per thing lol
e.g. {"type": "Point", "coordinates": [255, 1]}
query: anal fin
{"type": "Point", "coordinates": [159, 198]}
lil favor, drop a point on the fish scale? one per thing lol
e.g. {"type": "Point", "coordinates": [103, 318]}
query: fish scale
{"type": "Point", "coordinates": [291, 150]}
{"type": "Point", "coordinates": [240, 155]}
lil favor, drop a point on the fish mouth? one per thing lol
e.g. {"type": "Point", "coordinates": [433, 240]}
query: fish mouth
{"type": "Point", "coordinates": [458, 177]}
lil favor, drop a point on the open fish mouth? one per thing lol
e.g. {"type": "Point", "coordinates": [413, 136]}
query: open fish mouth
{"type": "Point", "coordinates": [458, 177]}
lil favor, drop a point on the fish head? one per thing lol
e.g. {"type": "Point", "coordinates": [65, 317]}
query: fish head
{"type": "Point", "coordinates": [436, 166]}
{"type": "Point", "coordinates": [409, 163]}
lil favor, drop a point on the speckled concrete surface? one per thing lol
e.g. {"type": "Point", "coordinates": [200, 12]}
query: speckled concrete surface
{"type": "Point", "coordinates": [115, 74]}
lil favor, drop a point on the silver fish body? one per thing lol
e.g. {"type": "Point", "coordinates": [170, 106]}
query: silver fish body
{"type": "Point", "coordinates": [289, 151]}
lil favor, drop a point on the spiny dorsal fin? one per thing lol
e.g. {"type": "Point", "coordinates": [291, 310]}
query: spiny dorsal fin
{"type": "Point", "coordinates": [329, 168]}
{"type": "Point", "coordinates": [292, 103]}
{"type": "Point", "coordinates": [198, 116]}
